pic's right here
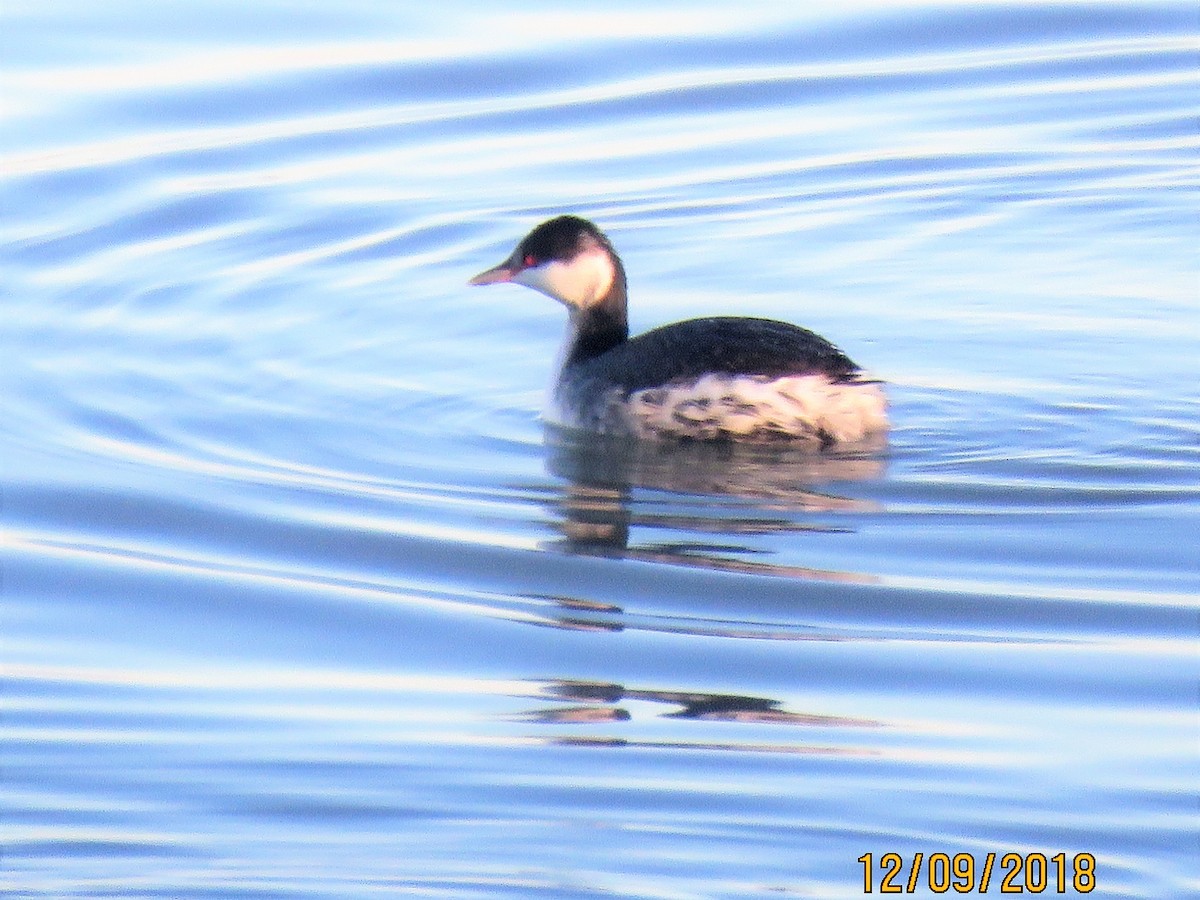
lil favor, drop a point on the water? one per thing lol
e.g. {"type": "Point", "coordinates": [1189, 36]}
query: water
{"type": "Point", "coordinates": [301, 600]}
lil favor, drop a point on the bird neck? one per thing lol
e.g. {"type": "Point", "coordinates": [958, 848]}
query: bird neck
{"type": "Point", "coordinates": [600, 325]}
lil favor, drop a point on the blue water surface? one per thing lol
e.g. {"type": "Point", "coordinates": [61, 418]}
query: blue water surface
{"type": "Point", "coordinates": [301, 598]}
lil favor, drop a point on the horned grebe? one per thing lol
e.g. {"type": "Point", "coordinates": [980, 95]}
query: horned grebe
{"type": "Point", "coordinates": [732, 378]}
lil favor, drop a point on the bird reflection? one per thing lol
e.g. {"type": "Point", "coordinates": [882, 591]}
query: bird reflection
{"type": "Point", "coordinates": [732, 491]}
{"type": "Point", "coordinates": [588, 702]}
{"type": "Point", "coordinates": [574, 614]}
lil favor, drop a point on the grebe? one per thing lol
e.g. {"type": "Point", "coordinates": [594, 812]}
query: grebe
{"type": "Point", "coordinates": [731, 378]}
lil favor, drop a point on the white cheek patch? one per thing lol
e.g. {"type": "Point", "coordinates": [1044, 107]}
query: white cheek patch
{"type": "Point", "coordinates": [578, 283]}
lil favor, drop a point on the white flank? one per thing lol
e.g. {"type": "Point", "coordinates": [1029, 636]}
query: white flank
{"type": "Point", "coordinates": [750, 407]}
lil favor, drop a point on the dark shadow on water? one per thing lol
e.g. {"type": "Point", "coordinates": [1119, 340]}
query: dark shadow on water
{"type": "Point", "coordinates": [725, 492]}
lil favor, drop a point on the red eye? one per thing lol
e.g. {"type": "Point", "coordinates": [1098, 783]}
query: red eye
{"type": "Point", "coordinates": [530, 260]}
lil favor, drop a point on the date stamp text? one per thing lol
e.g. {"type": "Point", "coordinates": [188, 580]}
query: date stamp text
{"type": "Point", "coordinates": [1015, 873]}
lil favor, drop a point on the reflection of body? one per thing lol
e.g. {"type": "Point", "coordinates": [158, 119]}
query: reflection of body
{"type": "Point", "coordinates": [777, 474]}
{"type": "Point", "coordinates": [714, 378]}
{"type": "Point", "coordinates": [601, 699]}
{"type": "Point", "coordinates": [723, 494]}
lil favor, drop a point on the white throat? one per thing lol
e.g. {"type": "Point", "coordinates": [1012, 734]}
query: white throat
{"type": "Point", "coordinates": [577, 283]}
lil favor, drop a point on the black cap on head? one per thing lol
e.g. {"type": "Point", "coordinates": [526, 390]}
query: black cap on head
{"type": "Point", "coordinates": [562, 237]}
